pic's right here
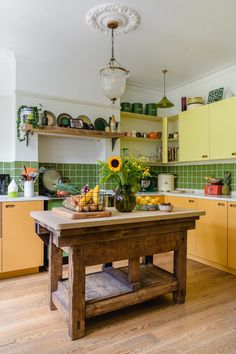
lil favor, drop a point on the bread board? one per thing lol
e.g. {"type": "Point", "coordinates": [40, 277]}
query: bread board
{"type": "Point", "coordinates": [70, 214]}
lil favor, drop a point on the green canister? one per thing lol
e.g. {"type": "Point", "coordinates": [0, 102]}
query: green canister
{"type": "Point", "coordinates": [126, 107]}
{"type": "Point", "coordinates": [151, 109]}
{"type": "Point", "coordinates": [137, 108]}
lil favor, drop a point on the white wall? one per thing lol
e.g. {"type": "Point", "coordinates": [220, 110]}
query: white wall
{"type": "Point", "coordinates": [54, 79]}
{"type": "Point", "coordinates": [225, 77]}
{"type": "Point", "coordinates": [7, 85]}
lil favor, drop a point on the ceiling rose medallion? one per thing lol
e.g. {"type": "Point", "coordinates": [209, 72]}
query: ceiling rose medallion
{"type": "Point", "coordinates": [99, 16]}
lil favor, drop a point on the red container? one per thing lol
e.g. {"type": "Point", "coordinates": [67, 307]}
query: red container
{"type": "Point", "coordinates": [212, 189]}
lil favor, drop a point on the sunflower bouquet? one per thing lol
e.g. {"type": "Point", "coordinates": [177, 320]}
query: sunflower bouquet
{"type": "Point", "coordinates": [124, 171]}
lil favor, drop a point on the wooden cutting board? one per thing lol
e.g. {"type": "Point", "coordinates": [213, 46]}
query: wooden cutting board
{"type": "Point", "coordinates": [70, 214]}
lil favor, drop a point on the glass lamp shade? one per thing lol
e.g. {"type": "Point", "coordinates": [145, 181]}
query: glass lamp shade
{"type": "Point", "coordinates": [113, 81]}
{"type": "Point", "coordinates": [164, 103]}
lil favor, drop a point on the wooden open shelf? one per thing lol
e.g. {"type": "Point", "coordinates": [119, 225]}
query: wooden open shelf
{"type": "Point", "coordinates": [72, 132]}
{"type": "Point", "coordinates": [140, 116]}
{"type": "Point", "coordinates": [104, 293]}
{"type": "Point", "coordinates": [141, 139]}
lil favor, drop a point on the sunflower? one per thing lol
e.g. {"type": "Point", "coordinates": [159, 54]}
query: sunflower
{"type": "Point", "coordinates": [114, 163]}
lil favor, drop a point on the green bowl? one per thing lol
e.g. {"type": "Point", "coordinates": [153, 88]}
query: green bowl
{"type": "Point", "coordinates": [137, 108]}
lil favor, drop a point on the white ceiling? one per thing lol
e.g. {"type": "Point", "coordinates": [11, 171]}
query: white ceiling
{"type": "Point", "coordinates": [190, 38]}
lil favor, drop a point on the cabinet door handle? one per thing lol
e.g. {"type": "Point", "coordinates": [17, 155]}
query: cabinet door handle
{"type": "Point", "coordinates": [191, 201]}
{"type": "Point", "coordinates": [221, 204]}
{"type": "Point", "coordinates": [232, 205]}
{"type": "Point", "coordinates": [204, 156]}
{"type": "Point", "coordinates": [10, 206]}
{"type": "Point", "coordinates": [233, 154]}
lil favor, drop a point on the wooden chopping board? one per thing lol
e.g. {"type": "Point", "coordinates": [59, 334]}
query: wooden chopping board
{"type": "Point", "coordinates": [70, 214]}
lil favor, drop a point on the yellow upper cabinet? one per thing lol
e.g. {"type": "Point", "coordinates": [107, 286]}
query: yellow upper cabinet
{"type": "Point", "coordinates": [194, 134]}
{"type": "Point", "coordinates": [223, 129]}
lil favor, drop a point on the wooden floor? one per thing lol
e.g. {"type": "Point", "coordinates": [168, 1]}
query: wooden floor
{"type": "Point", "coordinates": [206, 323]}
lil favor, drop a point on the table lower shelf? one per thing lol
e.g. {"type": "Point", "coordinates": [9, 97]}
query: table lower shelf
{"type": "Point", "coordinates": [104, 293]}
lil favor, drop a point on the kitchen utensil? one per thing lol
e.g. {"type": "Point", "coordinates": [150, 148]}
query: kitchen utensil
{"type": "Point", "coordinates": [4, 182]}
{"type": "Point", "coordinates": [50, 179]}
{"type": "Point", "coordinates": [28, 188]}
{"type": "Point", "coordinates": [70, 214]}
{"type": "Point", "coordinates": [145, 184]}
{"type": "Point", "coordinates": [166, 182]}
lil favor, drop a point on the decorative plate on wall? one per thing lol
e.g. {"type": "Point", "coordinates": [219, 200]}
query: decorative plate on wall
{"type": "Point", "coordinates": [63, 120]}
{"type": "Point", "coordinates": [215, 95]}
{"type": "Point", "coordinates": [50, 117]}
{"type": "Point", "coordinates": [100, 124]}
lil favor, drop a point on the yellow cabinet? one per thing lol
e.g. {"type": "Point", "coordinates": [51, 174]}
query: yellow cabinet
{"type": "Point", "coordinates": [187, 203]}
{"type": "Point", "coordinates": [212, 231]}
{"type": "Point", "coordinates": [21, 247]}
{"type": "Point", "coordinates": [0, 237]}
{"type": "Point", "coordinates": [194, 134]}
{"type": "Point", "coordinates": [222, 129]}
{"type": "Point", "coordinates": [232, 235]}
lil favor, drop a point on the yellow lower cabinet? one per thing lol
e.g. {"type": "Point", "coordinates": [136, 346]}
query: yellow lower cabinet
{"type": "Point", "coordinates": [232, 235]}
{"type": "Point", "coordinates": [21, 247]}
{"type": "Point", "coordinates": [212, 231]}
{"type": "Point", "coordinates": [0, 254]}
{"type": "Point", "coordinates": [187, 203]}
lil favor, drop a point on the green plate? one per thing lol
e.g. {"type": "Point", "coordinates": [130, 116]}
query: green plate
{"type": "Point", "coordinates": [100, 124]}
{"type": "Point", "coordinates": [63, 120]}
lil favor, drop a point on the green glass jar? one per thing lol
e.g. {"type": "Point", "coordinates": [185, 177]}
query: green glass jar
{"type": "Point", "coordinates": [125, 199]}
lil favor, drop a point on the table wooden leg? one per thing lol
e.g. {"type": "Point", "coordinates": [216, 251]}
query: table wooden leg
{"type": "Point", "coordinates": [180, 269]}
{"type": "Point", "coordinates": [55, 270]}
{"type": "Point", "coordinates": [134, 273]}
{"type": "Point", "coordinates": [76, 293]}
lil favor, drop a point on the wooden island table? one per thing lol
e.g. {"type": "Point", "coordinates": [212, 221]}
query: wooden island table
{"type": "Point", "coordinates": [104, 240]}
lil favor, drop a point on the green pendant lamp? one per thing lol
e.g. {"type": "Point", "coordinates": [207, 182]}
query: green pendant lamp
{"type": "Point", "coordinates": [164, 102]}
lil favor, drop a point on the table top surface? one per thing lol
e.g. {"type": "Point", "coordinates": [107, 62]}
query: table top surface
{"type": "Point", "coordinates": [57, 222]}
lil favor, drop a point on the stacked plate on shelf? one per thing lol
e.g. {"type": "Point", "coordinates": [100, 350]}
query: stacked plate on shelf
{"type": "Point", "coordinates": [194, 102]}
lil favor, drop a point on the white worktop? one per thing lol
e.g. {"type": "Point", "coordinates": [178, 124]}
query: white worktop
{"type": "Point", "coordinates": [21, 198]}
{"type": "Point", "coordinates": [193, 193]}
{"type": "Point", "coordinates": [57, 222]}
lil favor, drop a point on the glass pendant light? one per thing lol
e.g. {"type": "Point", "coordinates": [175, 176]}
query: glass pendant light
{"type": "Point", "coordinates": [164, 102]}
{"type": "Point", "coordinates": [113, 76]}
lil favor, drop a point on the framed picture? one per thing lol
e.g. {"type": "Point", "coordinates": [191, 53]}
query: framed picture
{"type": "Point", "coordinates": [76, 123]}
{"type": "Point", "coordinates": [215, 95]}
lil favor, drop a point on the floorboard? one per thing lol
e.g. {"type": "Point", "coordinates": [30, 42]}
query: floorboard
{"type": "Point", "coordinates": [205, 324]}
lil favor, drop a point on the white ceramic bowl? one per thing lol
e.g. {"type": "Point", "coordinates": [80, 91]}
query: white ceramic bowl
{"type": "Point", "coordinates": [165, 207]}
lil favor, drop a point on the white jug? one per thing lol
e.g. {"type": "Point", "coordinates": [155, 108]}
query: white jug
{"type": "Point", "coordinates": [28, 188]}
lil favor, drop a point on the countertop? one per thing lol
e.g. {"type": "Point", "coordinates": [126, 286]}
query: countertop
{"type": "Point", "coordinates": [196, 193]}
{"type": "Point", "coordinates": [57, 222]}
{"type": "Point", "coordinates": [21, 198]}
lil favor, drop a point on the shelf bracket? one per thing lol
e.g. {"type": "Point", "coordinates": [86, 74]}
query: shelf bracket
{"type": "Point", "coordinates": [113, 143]}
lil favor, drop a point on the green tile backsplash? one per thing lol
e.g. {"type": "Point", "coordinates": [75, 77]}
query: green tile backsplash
{"type": "Point", "coordinates": [188, 176]}
{"type": "Point", "coordinates": [192, 176]}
